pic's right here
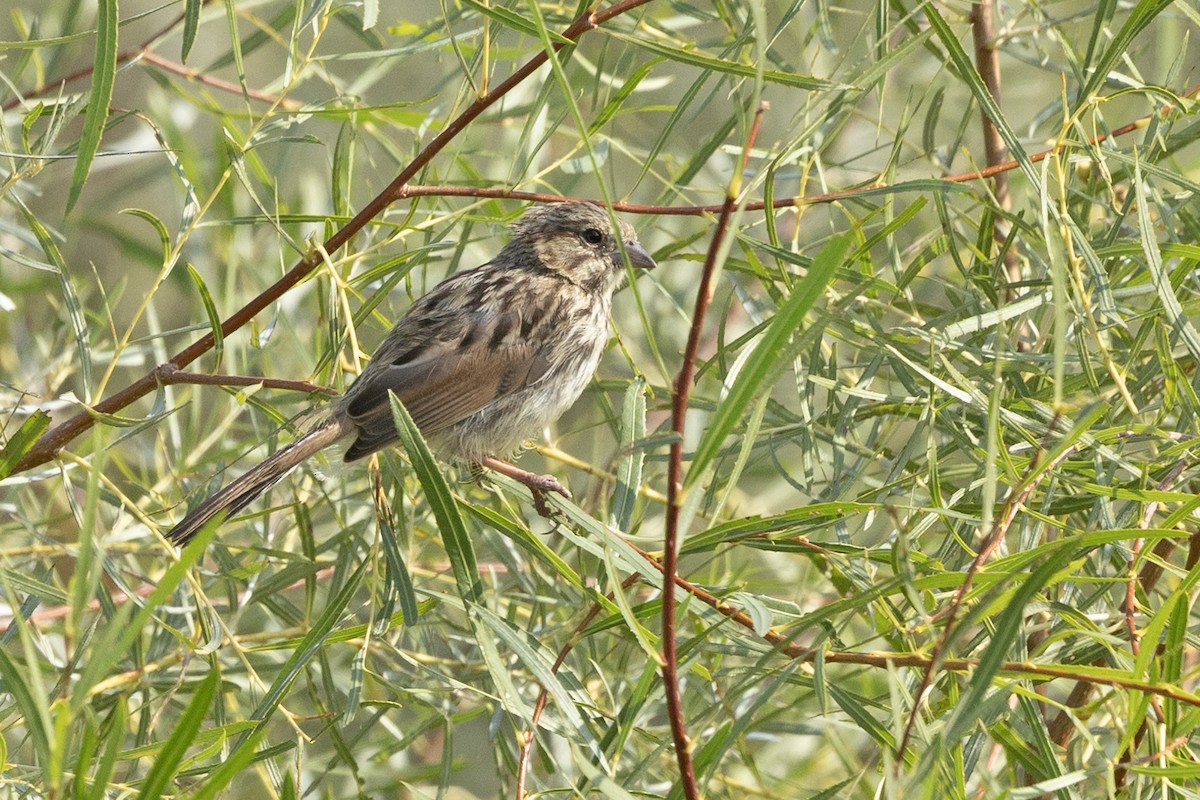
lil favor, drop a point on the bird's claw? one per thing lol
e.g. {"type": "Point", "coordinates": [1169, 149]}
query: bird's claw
{"type": "Point", "coordinates": [539, 486]}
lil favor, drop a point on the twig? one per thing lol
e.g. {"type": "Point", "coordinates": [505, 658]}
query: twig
{"type": "Point", "coordinates": [1014, 503]}
{"type": "Point", "coordinates": [987, 62]}
{"type": "Point", "coordinates": [168, 375]}
{"type": "Point", "coordinates": [225, 86]}
{"type": "Point", "coordinates": [679, 406]}
{"type": "Point", "coordinates": [526, 749]}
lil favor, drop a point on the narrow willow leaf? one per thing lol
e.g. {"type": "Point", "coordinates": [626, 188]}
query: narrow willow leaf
{"type": "Point", "coordinates": [32, 706]}
{"type": "Point", "coordinates": [114, 729]}
{"type": "Point", "coordinates": [347, 633]}
{"type": "Point", "coordinates": [118, 637]}
{"type": "Point", "coordinates": [166, 764]}
{"type": "Point", "coordinates": [235, 42]}
{"type": "Point", "coordinates": [1007, 627]}
{"type": "Point", "coordinates": [399, 579]}
{"type": "Point", "coordinates": [210, 311]}
{"type": "Point", "coordinates": [766, 361]}
{"type": "Point", "coordinates": [22, 440]}
{"type": "Point", "coordinates": [70, 296]}
{"type": "Point", "coordinates": [104, 77]}
{"type": "Point", "coordinates": [967, 73]}
{"type": "Point", "coordinates": [709, 63]}
{"type": "Point", "coordinates": [1172, 308]}
{"type": "Point", "coordinates": [629, 469]}
{"type": "Point", "coordinates": [219, 779]}
{"type": "Point", "coordinates": [191, 25]}
{"type": "Point", "coordinates": [516, 22]}
{"type": "Point", "coordinates": [370, 14]}
{"type": "Point", "coordinates": [1117, 47]}
{"type": "Point", "coordinates": [616, 103]}
{"type": "Point", "coordinates": [317, 637]}
{"type": "Point", "coordinates": [437, 493]}
{"type": "Point", "coordinates": [164, 237]}
{"type": "Point", "coordinates": [540, 664]}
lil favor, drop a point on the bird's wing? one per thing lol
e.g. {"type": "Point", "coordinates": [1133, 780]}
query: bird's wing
{"type": "Point", "coordinates": [446, 383]}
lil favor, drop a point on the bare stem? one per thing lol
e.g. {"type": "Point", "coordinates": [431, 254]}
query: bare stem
{"type": "Point", "coordinates": [679, 406]}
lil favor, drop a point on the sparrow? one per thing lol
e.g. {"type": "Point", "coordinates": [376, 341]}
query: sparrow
{"type": "Point", "coordinates": [482, 362]}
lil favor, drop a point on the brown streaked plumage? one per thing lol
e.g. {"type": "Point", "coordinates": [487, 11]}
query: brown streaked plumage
{"type": "Point", "coordinates": [483, 361]}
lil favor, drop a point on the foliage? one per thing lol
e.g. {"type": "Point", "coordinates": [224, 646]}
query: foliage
{"type": "Point", "coordinates": [939, 533]}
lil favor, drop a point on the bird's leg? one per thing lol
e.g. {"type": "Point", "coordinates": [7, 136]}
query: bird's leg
{"type": "Point", "coordinates": [538, 484]}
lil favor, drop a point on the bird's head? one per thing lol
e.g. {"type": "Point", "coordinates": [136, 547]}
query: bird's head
{"type": "Point", "coordinates": [577, 240]}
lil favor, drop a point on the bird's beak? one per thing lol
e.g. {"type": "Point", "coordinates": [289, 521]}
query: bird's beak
{"type": "Point", "coordinates": [638, 257]}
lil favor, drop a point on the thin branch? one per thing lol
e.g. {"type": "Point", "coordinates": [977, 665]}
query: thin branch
{"type": "Point", "coordinates": [679, 407]}
{"type": "Point", "coordinates": [168, 375]}
{"type": "Point", "coordinates": [1014, 503]}
{"type": "Point", "coordinates": [216, 83]}
{"type": "Point", "coordinates": [987, 62]}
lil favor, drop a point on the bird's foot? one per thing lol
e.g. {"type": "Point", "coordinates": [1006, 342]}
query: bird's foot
{"type": "Point", "coordinates": [538, 485]}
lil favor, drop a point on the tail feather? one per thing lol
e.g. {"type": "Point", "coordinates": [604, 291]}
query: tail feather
{"type": "Point", "coordinates": [243, 490]}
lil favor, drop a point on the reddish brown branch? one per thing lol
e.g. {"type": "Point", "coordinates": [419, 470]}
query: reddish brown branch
{"type": "Point", "coordinates": [679, 406]}
{"type": "Point", "coordinates": [216, 83]}
{"type": "Point", "coordinates": [987, 62]}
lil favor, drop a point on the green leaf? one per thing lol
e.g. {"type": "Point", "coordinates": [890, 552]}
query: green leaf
{"type": "Point", "coordinates": [22, 441]}
{"type": "Point", "coordinates": [516, 22]}
{"type": "Point", "coordinates": [968, 74]}
{"type": "Point", "coordinates": [104, 76]}
{"type": "Point", "coordinates": [210, 311]}
{"type": "Point", "coordinates": [766, 360]}
{"type": "Point", "coordinates": [318, 637]}
{"type": "Point", "coordinates": [113, 730]}
{"type": "Point", "coordinates": [32, 706]}
{"type": "Point", "coordinates": [1181, 323]}
{"type": "Point", "coordinates": [191, 25]}
{"type": "Point", "coordinates": [1116, 48]}
{"type": "Point", "coordinates": [709, 63]}
{"type": "Point", "coordinates": [629, 470]}
{"type": "Point", "coordinates": [118, 637]}
{"type": "Point", "coordinates": [437, 493]}
{"type": "Point", "coordinates": [70, 296]}
{"type": "Point", "coordinates": [166, 763]}
{"type": "Point", "coordinates": [1007, 626]}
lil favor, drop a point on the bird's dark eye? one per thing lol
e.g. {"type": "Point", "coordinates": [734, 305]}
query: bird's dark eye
{"type": "Point", "coordinates": [593, 236]}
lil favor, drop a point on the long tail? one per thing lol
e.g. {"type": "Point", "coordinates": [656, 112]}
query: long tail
{"type": "Point", "coordinates": [241, 492]}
